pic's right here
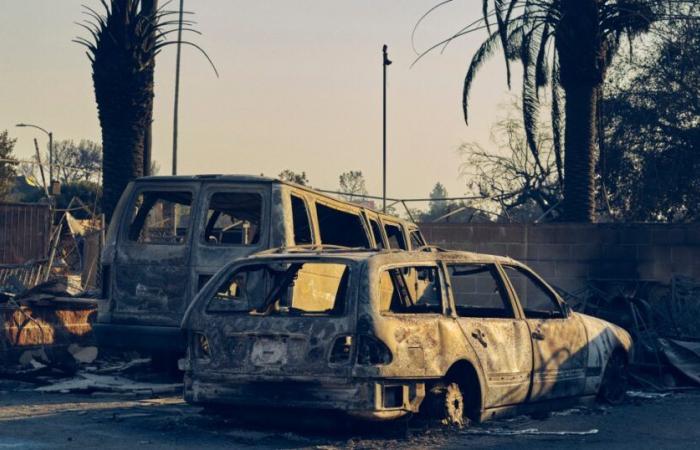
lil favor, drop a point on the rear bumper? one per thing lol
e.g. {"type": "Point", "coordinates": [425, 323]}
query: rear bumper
{"type": "Point", "coordinates": [140, 337]}
{"type": "Point", "coordinates": [366, 399]}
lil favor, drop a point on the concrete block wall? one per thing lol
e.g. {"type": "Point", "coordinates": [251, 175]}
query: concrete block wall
{"type": "Point", "coordinates": [571, 255]}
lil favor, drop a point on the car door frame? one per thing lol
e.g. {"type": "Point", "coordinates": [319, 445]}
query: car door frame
{"type": "Point", "coordinates": [155, 261]}
{"type": "Point", "coordinates": [552, 383]}
{"type": "Point", "coordinates": [499, 383]}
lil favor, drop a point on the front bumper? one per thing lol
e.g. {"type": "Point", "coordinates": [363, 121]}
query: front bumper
{"type": "Point", "coordinates": [366, 399]}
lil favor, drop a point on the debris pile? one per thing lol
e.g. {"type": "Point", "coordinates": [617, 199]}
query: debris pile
{"type": "Point", "coordinates": [662, 319]}
{"type": "Point", "coordinates": [47, 325]}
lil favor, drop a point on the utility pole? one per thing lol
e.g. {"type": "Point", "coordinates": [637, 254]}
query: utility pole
{"type": "Point", "coordinates": [385, 62]}
{"type": "Point", "coordinates": [177, 84]}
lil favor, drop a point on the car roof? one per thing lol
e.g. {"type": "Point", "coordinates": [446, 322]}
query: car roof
{"type": "Point", "coordinates": [259, 179]}
{"type": "Point", "coordinates": [381, 256]}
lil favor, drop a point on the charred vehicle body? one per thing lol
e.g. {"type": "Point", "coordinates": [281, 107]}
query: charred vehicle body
{"type": "Point", "coordinates": [169, 235]}
{"type": "Point", "coordinates": [383, 334]}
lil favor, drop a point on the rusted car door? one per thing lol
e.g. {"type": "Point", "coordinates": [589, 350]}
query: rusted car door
{"type": "Point", "coordinates": [559, 339]}
{"type": "Point", "coordinates": [412, 304]}
{"type": "Point", "coordinates": [233, 222]}
{"type": "Point", "coordinates": [152, 266]}
{"type": "Point", "coordinates": [490, 324]}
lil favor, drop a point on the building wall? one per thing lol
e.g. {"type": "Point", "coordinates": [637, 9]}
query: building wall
{"type": "Point", "coordinates": [570, 256]}
{"type": "Point", "coordinates": [24, 232]}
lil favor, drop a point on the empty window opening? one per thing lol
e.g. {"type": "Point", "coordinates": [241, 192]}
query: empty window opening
{"type": "Point", "coordinates": [395, 236]}
{"type": "Point", "coordinates": [300, 219]}
{"type": "Point", "coordinates": [417, 240]}
{"type": "Point", "coordinates": [410, 290]}
{"type": "Point", "coordinates": [537, 301]}
{"type": "Point", "coordinates": [296, 288]}
{"type": "Point", "coordinates": [341, 228]}
{"type": "Point", "coordinates": [160, 217]}
{"type": "Point", "coordinates": [478, 291]}
{"type": "Point", "coordinates": [233, 218]}
{"type": "Point", "coordinates": [377, 233]}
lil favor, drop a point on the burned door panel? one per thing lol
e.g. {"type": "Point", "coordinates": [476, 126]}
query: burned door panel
{"type": "Point", "coordinates": [488, 320]}
{"type": "Point", "coordinates": [151, 273]}
{"type": "Point", "coordinates": [411, 305]}
{"type": "Point", "coordinates": [559, 341]}
{"type": "Point", "coordinates": [234, 221]}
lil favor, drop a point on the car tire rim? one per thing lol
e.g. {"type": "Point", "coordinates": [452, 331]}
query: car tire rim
{"type": "Point", "coordinates": [454, 405]}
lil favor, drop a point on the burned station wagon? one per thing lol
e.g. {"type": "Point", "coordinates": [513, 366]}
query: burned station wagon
{"type": "Point", "coordinates": [383, 334]}
{"type": "Point", "coordinates": [170, 234]}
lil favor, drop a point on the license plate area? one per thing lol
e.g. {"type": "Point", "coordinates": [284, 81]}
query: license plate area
{"type": "Point", "coordinates": [276, 351]}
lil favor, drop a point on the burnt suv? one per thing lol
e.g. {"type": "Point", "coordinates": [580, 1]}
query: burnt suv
{"type": "Point", "coordinates": [382, 334]}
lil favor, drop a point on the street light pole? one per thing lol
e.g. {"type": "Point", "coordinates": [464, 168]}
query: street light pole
{"type": "Point", "coordinates": [50, 135]}
{"type": "Point", "coordinates": [385, 62]}
{"type": "Point", "coordinates": [177, 85]}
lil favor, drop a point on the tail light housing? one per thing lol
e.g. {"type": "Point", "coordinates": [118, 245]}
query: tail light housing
{"type": "Point", "coordinates": [372, 351]}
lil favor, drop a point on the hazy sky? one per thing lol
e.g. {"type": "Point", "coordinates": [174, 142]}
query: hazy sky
{"type": "Point", "coordinates": [300, 88]}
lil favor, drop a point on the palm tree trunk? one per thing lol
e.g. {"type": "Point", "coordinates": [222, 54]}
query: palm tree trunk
{"type": "Point", "coordinates": [150, 8]}
{"type": "Point", "coordinates": [579, 155]}
{"type": "Point", "coordinates": [582, 65]}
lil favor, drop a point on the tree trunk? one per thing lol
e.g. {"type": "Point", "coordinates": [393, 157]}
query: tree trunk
{"type": "Point", "coordinates": [580, 50]}
{"type": "Point", "coordinates": [150, 8]}
{"type": "Point", "coordinates": [579, 155]}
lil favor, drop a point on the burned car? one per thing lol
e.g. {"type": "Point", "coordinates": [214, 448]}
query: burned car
{"type": "Point", "coordinates": [170, 234]}
{"type": "Point", "coordinates": [379, 335]}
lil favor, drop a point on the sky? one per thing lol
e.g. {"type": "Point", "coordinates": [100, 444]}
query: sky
{"type": "Point", "coordinates": [299, 88]}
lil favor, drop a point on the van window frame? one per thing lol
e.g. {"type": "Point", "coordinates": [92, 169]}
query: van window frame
{"type": "Point", "coordinates": [386, 223]}
{"type": "Point", "coordinates": [309, 216]}
{"type": "Point", "coordinates": [127, 215]}
{"type": "Point", "coordinates": [210, 189]}
{"type": "Point", "coordinates": [346, 209]}
{"type": "Point", "coordinates": [417, 231]}
{"type": "Point", "coordinates": [374, 218]}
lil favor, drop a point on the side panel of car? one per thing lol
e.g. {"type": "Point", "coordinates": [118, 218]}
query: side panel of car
{"type": "Point", "coordinates": [490, 323]}
{"type": "Point", "coordinates": [424, 343]}
{"type": "Point", "coordinates": [559, 341]}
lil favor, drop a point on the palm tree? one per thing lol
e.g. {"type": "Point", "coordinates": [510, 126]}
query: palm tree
{"type": "Point", "coordinates": [123, 44]}
{"type": "Point", "coordinates": [566, 45]}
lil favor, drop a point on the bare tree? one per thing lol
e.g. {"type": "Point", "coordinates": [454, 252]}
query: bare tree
{"type": "Point", "coordinates": [293, 177]}
{"type": "Point", "coordinates": [509, 177]}
{"type": "Point", "coordinates": [352, 182]}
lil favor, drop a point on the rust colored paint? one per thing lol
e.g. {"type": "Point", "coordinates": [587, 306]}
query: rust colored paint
{"type": "Point", "coordinates": [55, 323]}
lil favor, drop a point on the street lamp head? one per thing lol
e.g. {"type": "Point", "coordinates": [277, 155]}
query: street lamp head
{"type": "Point", "coordinates": [21, 125]}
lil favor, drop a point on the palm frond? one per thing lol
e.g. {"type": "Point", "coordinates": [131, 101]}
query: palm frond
{"type": "Point", "coordinates": [484, 52]}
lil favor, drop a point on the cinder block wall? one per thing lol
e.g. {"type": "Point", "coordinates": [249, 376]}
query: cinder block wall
{"type": "Point", "coordinates": [571, 255]}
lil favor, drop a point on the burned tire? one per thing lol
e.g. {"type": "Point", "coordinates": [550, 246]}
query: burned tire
{"type": "Point", "coordinates": [614, 385]}
{"type": "Point", "coordinates": [445, 403]}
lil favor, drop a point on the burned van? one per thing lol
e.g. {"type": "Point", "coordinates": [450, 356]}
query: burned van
{"type": "Point", "coordinates": [169, 235]}
{"type": "Point", "coordinates": [379, 335]}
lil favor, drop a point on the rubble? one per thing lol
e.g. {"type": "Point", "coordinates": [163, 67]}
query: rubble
{"type": "Point", "coordinates": [88, 383]}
